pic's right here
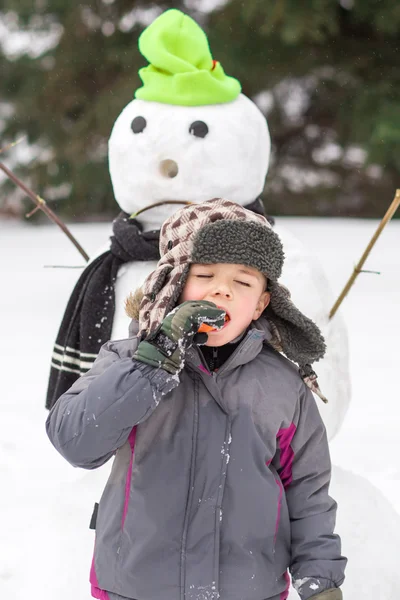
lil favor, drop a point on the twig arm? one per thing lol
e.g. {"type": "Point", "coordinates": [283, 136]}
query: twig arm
{"type": "Point", "coordinates": [357, 269]}
{"type": "Point", "coordinates": [41, 204]}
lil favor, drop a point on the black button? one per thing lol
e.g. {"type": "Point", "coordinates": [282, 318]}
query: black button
{"type": "Point", "coordinates": [170, 244]}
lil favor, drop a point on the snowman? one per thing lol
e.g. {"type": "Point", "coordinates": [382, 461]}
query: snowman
{"type": "Point", "coordinates": [189, 136]}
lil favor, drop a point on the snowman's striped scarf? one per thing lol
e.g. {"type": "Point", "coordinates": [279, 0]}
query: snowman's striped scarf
{"type": "Point", "coordinates": [88, 318]}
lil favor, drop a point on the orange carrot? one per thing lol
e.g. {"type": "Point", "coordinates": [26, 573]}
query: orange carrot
{"type": "Point", "coordinates": [205, 328]}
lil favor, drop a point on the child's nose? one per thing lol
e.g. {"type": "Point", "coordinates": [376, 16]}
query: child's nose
{"type": "Point", "coordinates": [222, 289]}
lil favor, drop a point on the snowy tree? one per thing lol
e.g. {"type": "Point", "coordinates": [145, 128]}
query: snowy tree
{"type": "Point", "coordinates": [324, 73]}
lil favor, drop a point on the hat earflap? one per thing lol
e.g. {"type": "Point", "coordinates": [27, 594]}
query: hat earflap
{"type": "Point", "coordinates": [294, 334]}
{"type": "Point", "coordinates": [178, 289]}
{"type": "Point", "coordinates": [300, 338]}
{"type": "Point", "coordinates": [161, 297]}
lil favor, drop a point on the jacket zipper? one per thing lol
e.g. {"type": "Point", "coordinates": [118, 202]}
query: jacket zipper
{"type": "Point", "coordinates": [214, 361]}
{"type": "Point", "coordinates": [230, 359]}
{"type": "Point", "coordinates": [215, 355]}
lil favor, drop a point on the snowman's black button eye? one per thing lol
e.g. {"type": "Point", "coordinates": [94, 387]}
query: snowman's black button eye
{"type": "Point", "coordinates": [138, 124]}
{"type": "Point", "coordinates": [198, 129]}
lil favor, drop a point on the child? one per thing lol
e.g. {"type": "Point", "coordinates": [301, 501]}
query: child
{"type": "Point", "coordinates": [221, 471]}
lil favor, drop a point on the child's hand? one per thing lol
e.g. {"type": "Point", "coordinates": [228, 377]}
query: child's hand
{"type": "Point", "coordinates": [166, 347]}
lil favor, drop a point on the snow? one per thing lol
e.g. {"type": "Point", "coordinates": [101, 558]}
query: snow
{"type": "Point", "coordinates": [34, 42]}
{"type": "Point", "coordinates": [45, 543]}
{"type": "Point", "coordinates": [205, 6]}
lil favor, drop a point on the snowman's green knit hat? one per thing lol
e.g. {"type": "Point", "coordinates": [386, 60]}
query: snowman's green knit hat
{"type": "Point", "coordinates": [181, 70]}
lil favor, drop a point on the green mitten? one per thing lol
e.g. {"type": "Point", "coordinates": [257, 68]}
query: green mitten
{"type": "Point", "coordinates": [166, 347]}
{"type": "Point", "coordinates": [332, 594]}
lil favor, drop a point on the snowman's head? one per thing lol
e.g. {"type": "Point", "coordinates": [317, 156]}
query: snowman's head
{"type": "Point", "coordinates": [164, 152]}
{"type": "Point", "coordinates": [189, 135]}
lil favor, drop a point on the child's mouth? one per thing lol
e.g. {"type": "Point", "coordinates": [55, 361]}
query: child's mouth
{"type": "Point", "coordinates": [227, 321]}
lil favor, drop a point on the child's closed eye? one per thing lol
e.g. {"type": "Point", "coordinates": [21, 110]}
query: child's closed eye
{"type": "Point", "coordinates": [204, 276]}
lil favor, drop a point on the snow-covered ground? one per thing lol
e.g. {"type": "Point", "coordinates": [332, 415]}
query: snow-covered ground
{"type": "Point", "coordinates": [45, 505]}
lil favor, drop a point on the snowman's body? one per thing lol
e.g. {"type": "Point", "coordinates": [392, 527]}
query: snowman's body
{"type": "Point", "coordinates": [311, 293]}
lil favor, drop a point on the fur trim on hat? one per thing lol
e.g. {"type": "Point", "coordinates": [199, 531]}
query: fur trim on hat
{"type": "Point", "coordinates": [132, 304]}
{"type": "Point", "coordinates": [241, 243]}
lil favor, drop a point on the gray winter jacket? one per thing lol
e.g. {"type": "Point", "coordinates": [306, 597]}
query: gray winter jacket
{"type": "Point", "coordinates": [219, 482]}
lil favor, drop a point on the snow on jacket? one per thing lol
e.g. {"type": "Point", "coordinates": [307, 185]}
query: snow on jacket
{"type": "Point", "coordinates": [219, 482]}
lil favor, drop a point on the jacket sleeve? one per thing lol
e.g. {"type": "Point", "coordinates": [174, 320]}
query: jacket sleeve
{"type": "Point", "coordinates": [305, 471]}
{"type": "Point", "coordinates": [94, 417]}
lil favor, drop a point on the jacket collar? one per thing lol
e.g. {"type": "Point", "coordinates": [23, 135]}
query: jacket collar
{"type": "Point", "coordinates": [250, 346]}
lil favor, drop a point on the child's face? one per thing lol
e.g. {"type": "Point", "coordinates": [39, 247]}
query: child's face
{"type": "Point", "coordinates": [238, 289]}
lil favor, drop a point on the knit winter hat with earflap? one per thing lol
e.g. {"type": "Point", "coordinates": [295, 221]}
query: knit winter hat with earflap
{"type": "Point", "coordinates": [181, 70]}
{"type": "Point", "coordinates": [221, 231]}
